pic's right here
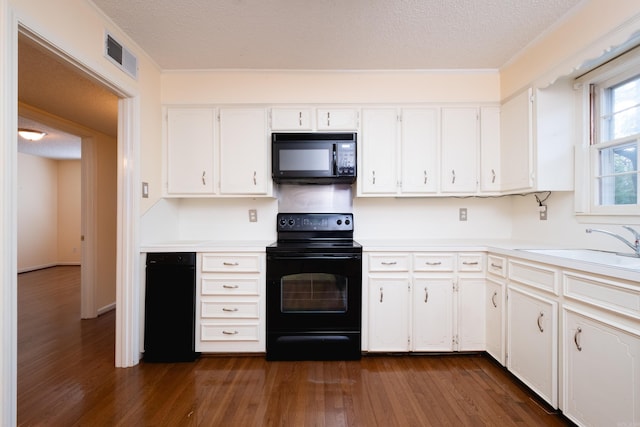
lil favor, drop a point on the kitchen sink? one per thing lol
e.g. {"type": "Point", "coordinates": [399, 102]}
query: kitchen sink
{"type": "Point", "coordinates": [611, 259]}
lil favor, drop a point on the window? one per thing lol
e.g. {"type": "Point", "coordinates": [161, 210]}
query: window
{"type": "Point", "coordinates": [615, 136]}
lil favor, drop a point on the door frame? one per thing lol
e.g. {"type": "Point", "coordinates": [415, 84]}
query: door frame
{"type": "Point", "coordinates": [127, 346]}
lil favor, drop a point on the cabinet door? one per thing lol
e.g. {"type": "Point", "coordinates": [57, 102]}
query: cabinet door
{"type": "Point", "coordinates": [494, 312]}
{"type": "Point", "coordinates": [490, 149]}
{"type": "Point", "coordinates": [432, 323]}
{"type": "Point", "coordinates": [459, 149]}
{"type": "Point", "coordinates": [420, 136]}
{"type": "Point", "coordinates": [516, 135]}
{"type": "Point", "coordinates": [337, 119]}
{"type": "Point", "coordinates": [532, 352]}
{"type": "Point", "coordinates": [601, 366]}
{"type": "Point", "coordinates": [379, 146]}
{"type": "Point", "coordinates": [244, 151]}
{"type": "Point", "coordinates": [389, 314]}
{"type": "Point", "coordinates": [471, 314]}
{"type": "Point", "coordinates": [291, 119]}
{"type": "Point", "coordinates": [190, 148]}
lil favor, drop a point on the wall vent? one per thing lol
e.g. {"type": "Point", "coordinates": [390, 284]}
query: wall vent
{"type": "Point", "coordinates": [121, 56]}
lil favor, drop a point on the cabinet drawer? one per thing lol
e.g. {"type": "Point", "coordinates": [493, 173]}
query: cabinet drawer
{"type": "Point", "coordinates": [389, 262]}
{"type": "Point", "coordinates": [229, 285]}
{"type": "Point", "coordinates": [231, 262]}
{"type": "Point", "coordinates": [497, 266]}
{"type": "Point", "coordinates": [470, 262]}
{"type": "Point", "coordinates": [433, 262]}
{"type": "Point", "coordinates": [229, 332]}
{"type": "Point", "coordinates": [229, 309]}
{"type": "Point", "coordinates": [603, 293]}
{"type": "Point", "coordinates": [534, 275]}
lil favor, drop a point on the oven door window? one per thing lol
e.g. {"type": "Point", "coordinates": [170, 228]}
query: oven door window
{"type": "Point", "coordinates": [314, 293]}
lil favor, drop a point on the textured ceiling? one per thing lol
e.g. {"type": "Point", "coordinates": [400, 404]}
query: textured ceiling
{"type": "Point", "coordinates": [55, 87]}
{"type": "Point", "coordinates": [334, 34]}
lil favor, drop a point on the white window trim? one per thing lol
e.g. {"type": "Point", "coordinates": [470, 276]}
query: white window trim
{"type": "Point", "coordinates": [617, 70]}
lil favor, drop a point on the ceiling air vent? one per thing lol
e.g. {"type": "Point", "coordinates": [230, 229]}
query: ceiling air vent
{"type": "Point", "coordinates": [121, 56]}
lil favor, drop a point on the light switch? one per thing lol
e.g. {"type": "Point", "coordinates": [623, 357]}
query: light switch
{"type": "Point", "coordinates": [145, 190]}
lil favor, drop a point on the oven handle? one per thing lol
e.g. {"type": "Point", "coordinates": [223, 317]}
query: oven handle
{"type": "Point", "coordinates": [313, 257]}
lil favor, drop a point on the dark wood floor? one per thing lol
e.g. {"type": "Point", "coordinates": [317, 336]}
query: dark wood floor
{"type": "Point", "coordinates": [66, 378]}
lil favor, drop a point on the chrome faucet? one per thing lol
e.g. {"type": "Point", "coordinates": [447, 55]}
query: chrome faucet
{"type": "Point", "coordinates": [635, 246]}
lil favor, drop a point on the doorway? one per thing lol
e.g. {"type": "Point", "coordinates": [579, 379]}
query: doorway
{"type": "Point", "coordinates": [58, 96]}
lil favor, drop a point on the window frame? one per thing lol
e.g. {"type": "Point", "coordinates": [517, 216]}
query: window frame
{"type": "Point", "coordinates": [595, 84]}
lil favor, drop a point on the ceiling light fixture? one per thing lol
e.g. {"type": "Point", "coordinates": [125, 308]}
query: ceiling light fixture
{"type": "Point", "coordinates": [31, 135]}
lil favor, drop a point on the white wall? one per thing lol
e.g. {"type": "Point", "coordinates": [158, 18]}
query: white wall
{"type": "Point", "coordinates": [48, 212]}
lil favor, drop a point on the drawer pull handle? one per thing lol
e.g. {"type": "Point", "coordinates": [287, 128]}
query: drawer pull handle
{"type": "Point", "coordinates": [373, 177]}
{"type": "Point", "coordinates": [229, 310]}
{"type": "Point", "coordinates": [381, 295]}
{"type": "Point", "coordinates": [575, 338]}
{"type": "Point", "coordinates": [230, 332]}
{"type": "Point", "coordinates": [470, 262]}
{"type": "Point", "coordinates": [255, 181]}
{"type": "Point", "coordinates": [493, 298]}
{"type": "Point", "coordinates": [433, 262]}
{"type": "Point", "coordinates": [453, 176]}
{"type": "Point", "coordinates": [493, 176]}
{"type": "Point", "coordinates": [425, 177]}
{"type": "Point", "coordinates": [204, 180]}
{"type": "Point", "coordinates": [231, 264]}
{"type": "Point", "coordinates": [426, 294]}
{"type": "Point", "coordinates": [389, 262]}
{"type": "Point", "coordinates": [498, 266]}
{"type": "Point", "coordinates": [230, 286]}
{"type": "Point", "coordinates": [540, 321]}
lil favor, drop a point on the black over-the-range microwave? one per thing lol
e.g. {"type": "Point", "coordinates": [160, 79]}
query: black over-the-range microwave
{"type": "Point", "coordinates": [313, 158]}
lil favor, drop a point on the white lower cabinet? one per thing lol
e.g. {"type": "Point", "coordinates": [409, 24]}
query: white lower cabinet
{"type": "Point", "coordinates": [425, 301]}
{"type": "Point", "coordinates": [601, 371]}
{"type": "Point", "coordinates": [532, 343]}
{"type": "Point", "coordinates": [230, 302]}
{"type": "Point", "coordinates": [389, 313]}
{"type": "Point", "coordinates": [432, 315]}
{"type": "Point", "coordinates": [495, 319]}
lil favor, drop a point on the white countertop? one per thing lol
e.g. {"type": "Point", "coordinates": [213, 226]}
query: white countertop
{"type": "Point", "coordinates": [508, 248]}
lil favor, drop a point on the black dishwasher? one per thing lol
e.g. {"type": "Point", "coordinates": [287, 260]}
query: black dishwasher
{"type": "Point", "coordinates": [169, 320]}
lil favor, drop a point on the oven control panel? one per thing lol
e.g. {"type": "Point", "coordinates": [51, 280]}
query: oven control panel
{"type": "Point", "coordinates": [315, 222]}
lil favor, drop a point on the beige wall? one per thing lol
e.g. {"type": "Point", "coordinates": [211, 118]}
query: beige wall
{"type": "Point", "coordinates": [273, 87]}
{"type": "Point", "coordinates": [596, 26]}
{"type": "Point", "coordinates": [37, 212]}
{"type": "Point", "coordinates": [69, 212]}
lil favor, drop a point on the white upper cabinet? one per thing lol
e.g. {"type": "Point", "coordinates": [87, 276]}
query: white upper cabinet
{"type": "Point", "coordinates": [293, 119]}
{"type": "Point", "coordinates": [490, 171]}
{"type": "Point", "coordinates": [420, 137]}
{"type": "Point", "coordinates": [190, 134]}
{"type": "Point", "coordinates": [378, 150]}
{"type": "Point", "coordinates": [244, 152]}
{"type": "Point", "coordinates": [537, 139]}
{"type": "Point", "coordinates": [337, 119]}
{"type": "Point", "coordinates": [459, 148]}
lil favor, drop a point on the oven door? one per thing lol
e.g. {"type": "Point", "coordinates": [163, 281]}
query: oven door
{"type": "Point", "coordinates": [314, 292]}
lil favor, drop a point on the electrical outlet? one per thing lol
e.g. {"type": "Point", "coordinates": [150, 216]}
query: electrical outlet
{"type": "Point", "coordinates": [253, 215]}
{"type": "Point", "coordinates": [462, 215]}
{"type": "Point", "coordinates": [543, 213]}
